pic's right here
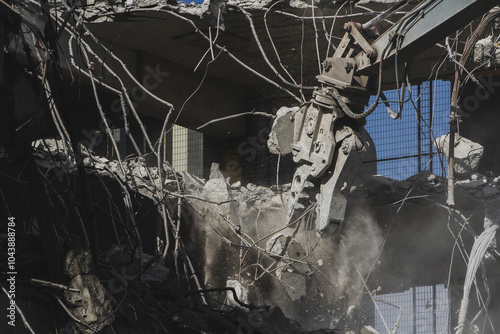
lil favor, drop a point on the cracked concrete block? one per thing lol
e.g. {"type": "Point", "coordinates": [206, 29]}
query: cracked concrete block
{"type": "Point", "coordinates": [216, 188]}
{"type": "Point", "coordinates": [468, 154]}
{"type": "Point", "coordinates": [486, 52]}
{"type": "Point", "coordinates": [281, 135]}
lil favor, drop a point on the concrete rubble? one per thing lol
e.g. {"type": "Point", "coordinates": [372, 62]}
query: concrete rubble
{"type": "Point", "coordinates": [207, 11]}
{"type": "Point", "coordinates": [281, 135]}
{"type": "Point", "coordinates": [467, 153]}
{"type": "Point", "coordinates": [136, 292]}
{"type": "Point", "coordinates": [91, 304]}
{"type": "Point", "coordinates": [258, 217]}
{"type": "Point", "coordinates": [104, 11]}
{"type": "Point", "coordinates": [477, 188]}
{"type": "Point", "coordinates": [156, 251]}
{"type": "Point", "coordinates": [486, 52]}
{"type": "Point", "coordinates": [52, 153]}
{"type": "Point", "coordinates": [236, 237]}
{"type": "Point", "coordinates": [252, 217]}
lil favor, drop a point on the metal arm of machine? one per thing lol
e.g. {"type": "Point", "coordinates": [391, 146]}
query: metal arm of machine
{"type": "Point", "coordinates": [422, 27]}
{"type": "Point", "coordinates": [327, 145]}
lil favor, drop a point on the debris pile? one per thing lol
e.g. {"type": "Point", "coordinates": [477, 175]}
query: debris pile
{"type": "Point", "coordinates": [121, 286]}
{"type": "Point", "coordinates": [289, 266]}
{"type": "Point", "coordinates": [54, 154]}
{"type": "Point", "coordinates": [239, 256]}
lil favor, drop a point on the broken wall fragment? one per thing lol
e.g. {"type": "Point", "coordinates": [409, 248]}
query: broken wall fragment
{"type": "Point", "coordinates": [468, 154]}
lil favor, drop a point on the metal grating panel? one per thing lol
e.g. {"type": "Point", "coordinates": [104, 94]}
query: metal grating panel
{"type": "Point", "coordinates": [404, 146]}
{"type": "Point", "coordinates": [421, 310]}
{"type": "Point", "coordinates": [187, 150]}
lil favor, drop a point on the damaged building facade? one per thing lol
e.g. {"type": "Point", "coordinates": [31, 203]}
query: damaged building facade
{"type": "Point", "coordinates": [150, 154]}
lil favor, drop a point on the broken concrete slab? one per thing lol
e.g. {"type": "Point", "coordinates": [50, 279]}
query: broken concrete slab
{"type": "Point", "coordinates": [217, 190]}
{"type": "Point", "coordinates": [281, 135]}
{"type": "Point", "coordinates": [468, 154]}
{"type": "Point", "coordinates": [140, 176]}
{"type": "Point", "coordinates": [486, 52]}
{"type": "Point", "coordinates": [90, 304]}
